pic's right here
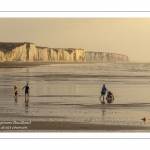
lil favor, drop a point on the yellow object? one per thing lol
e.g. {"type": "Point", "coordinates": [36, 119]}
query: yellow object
{"type": "Point", "coordinates": [15, 87]}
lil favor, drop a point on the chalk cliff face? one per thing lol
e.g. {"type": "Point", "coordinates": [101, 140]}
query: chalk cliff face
{"type": "Point", "coordinates": [29, 52]}
{"type": "Point", "coordinates": [105, 57]}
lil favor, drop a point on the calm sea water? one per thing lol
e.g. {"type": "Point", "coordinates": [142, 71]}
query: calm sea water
{"type": "Point", "coordinates": [70, 92]}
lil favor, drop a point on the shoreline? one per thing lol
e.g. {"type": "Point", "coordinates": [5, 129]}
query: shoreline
{"type": "Point", "coordinates": [19, 64]}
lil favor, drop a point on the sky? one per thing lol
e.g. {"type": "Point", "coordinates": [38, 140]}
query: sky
{"type": "Point", "coordinates": [127, 36]}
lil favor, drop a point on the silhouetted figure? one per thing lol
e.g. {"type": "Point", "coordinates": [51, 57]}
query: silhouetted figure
{"type": "Point", "coordinates": [16, 95]}
{"type": "Point", "coordinates": [26, 92]}
{"type": "Point", "coordinates": [103, 92]}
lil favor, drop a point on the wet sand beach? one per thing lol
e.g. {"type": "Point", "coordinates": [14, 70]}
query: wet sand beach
{"type": "Point", "coordinates": [16, 64]}
{"type": "Point", "coordinates": [20, 64]}
{"type": "Point", "coordinates": [64, 97]}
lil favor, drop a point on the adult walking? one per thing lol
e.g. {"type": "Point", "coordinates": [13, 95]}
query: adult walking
{"type": "Point", "coordinates": [26, 91]}
{"type": "Point", "coordinates": [103, 92]}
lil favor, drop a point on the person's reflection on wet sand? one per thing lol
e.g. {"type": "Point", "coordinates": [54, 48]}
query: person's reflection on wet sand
{"type": "Point", "coordinates": [26, 105]}
{"type": "Point", "coordinates": [15, 102]}
{"type": "Point", "coordinates": [103, 110]}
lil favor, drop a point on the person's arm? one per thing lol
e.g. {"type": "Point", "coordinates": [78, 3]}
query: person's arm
{"type": "Point", "coordinates": [23, 87]}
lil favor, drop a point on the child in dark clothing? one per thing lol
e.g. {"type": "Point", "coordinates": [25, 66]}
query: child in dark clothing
{"type": "Point", "coordinates": [16, 94]}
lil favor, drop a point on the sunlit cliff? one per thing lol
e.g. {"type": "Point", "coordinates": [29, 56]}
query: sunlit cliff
{"type": "Point", "coordinates": [105, 57]}
{"type": "Point", "coordinates": [29, 52]}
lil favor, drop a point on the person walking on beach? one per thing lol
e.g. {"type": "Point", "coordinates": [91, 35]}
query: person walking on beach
{"type": "Point", "coordinates": [103, 92]}
{"type": "Point", "coordinates": [26, 91]}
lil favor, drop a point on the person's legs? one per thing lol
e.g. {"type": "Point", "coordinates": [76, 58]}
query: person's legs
{"type": "Point", "coordinates": [28, 95]}
{"type": "Point", "coordinates": [103, 97]}
{"type": "Point", "coordinates": [100, 96]}
{"type": "Point", "coordinates": [25, 96]}
{"type": "Point", "coordinates": [15, 97]}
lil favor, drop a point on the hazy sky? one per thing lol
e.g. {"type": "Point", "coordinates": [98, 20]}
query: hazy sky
{"type": "Point", "coordinates": [128, 36]}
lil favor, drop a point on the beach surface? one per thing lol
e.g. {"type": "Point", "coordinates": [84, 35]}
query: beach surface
{"type": "Point", "coordinates": [64, 97]}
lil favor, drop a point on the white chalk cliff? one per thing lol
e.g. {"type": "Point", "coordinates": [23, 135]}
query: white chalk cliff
{"type": "Point", "coordinates": [29, 52]}
{"type": "Point", "coordinates": [106, 57]}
